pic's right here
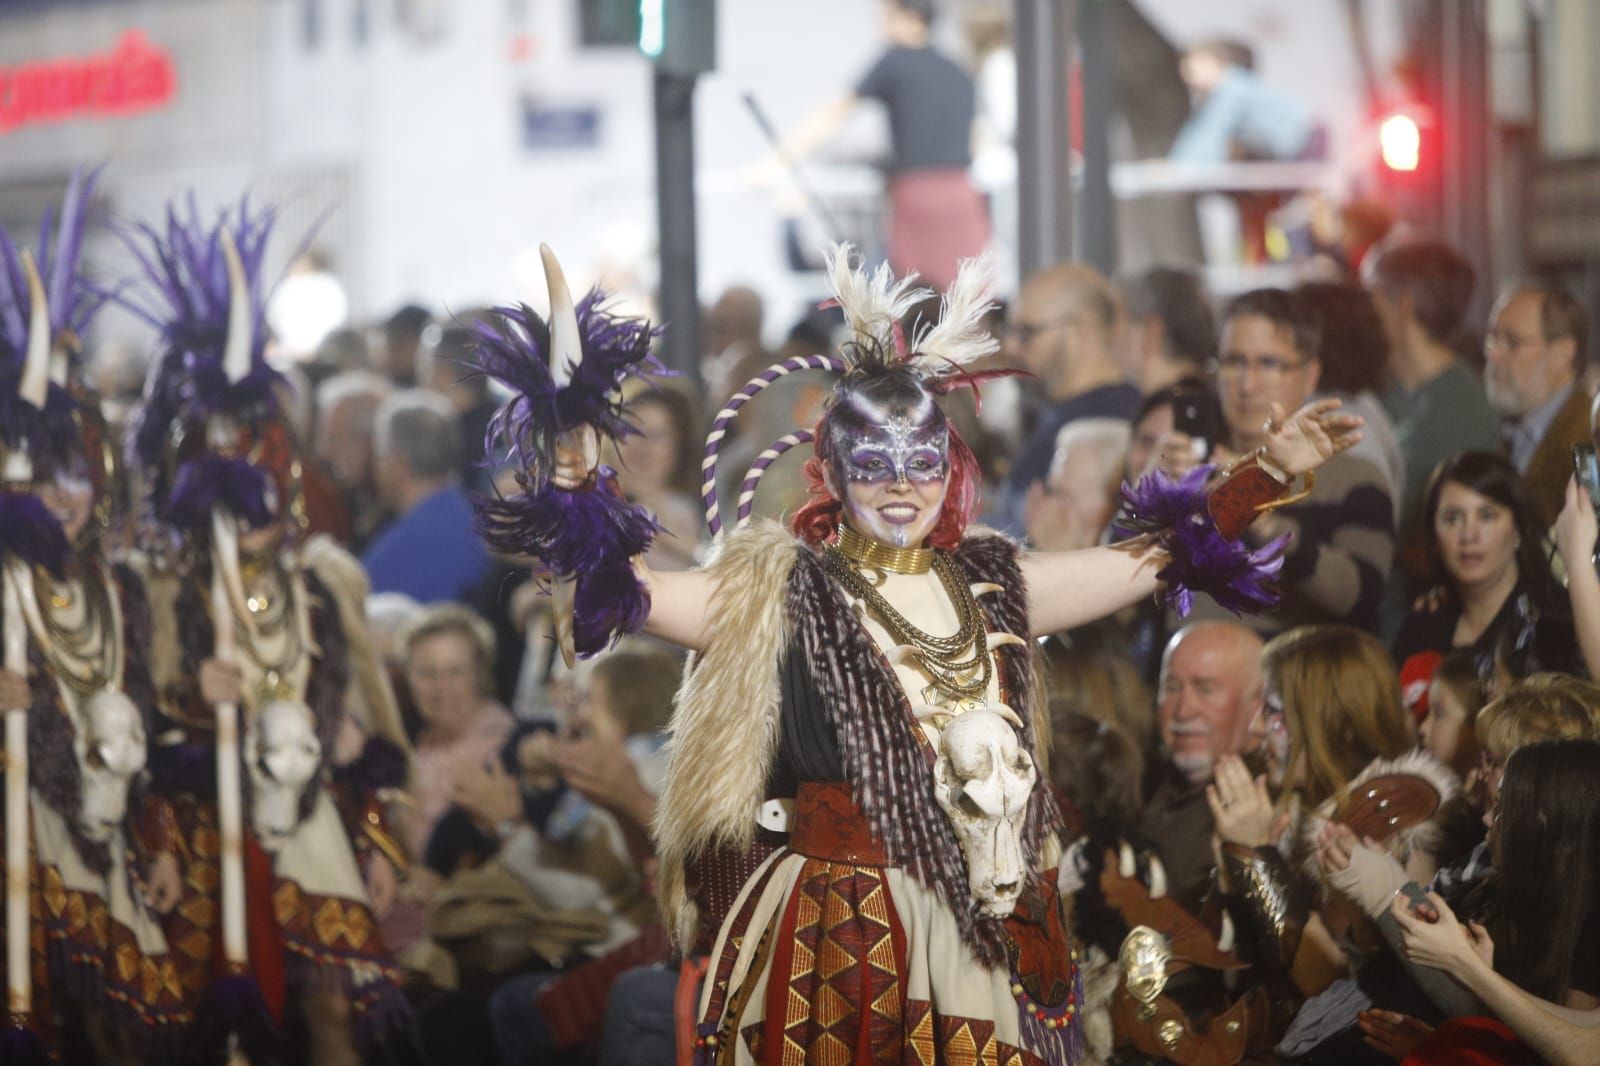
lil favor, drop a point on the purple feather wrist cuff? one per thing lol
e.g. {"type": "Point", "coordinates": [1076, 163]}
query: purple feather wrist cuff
{"type": "Point", "coordinates": [1200, 558]}
{"type": "Point", "coordinates": [591, 536]}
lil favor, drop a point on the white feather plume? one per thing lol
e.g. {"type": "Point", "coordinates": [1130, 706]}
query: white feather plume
{"type": "Point", "coordinates": [960, 337]}
{"type": "Point", "coordinates": [872, 303]}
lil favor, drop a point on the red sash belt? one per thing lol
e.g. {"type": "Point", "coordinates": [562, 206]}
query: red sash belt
{"type": "Point", "coordinates": [828, 825]}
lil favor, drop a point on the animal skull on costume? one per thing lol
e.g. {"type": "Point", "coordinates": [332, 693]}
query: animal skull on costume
{"type": "Point", "coordinates": [282, 752]}
{"type": "Point", "coordinates": [982, 780]}
{"type": "Point", "coordinates": [110, 749]}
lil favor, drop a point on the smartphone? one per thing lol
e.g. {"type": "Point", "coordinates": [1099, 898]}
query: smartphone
{"type": "Point", "coordinates": [1194, 414]}
{"type": "Point", "coordinates": [1586, 467]}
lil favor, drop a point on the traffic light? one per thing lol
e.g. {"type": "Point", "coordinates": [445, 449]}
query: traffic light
{"type": "Point", "coordinates": [1400, 142]}
{"type": "Point", "coordinates": [1408, 142]}
{"type": "Point", "coordinates": [679, 35]}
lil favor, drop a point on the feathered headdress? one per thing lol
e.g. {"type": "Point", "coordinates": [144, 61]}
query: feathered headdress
{"type": "Point", "coordinates": [210, 398]}
{"type": "Point", "coordinates": [43, 308]}
{"type": "Point", "coordinates": [876, 304]}
{"type": "Point", "coordinates": [564, 373]}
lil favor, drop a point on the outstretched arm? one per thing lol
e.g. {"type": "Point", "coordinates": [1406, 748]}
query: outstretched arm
{"type": "Point", "coordinates": [1559, 1034]}
{"type": "Point", "coordinates": [1066, 589]}
{"type": "Point", "coordinates": [680, 604]}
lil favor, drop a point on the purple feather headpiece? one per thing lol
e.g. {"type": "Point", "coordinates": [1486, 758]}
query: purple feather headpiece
{"type": "Point", "coordinates": [189, 300]}
{"type": "Point", "coordinates": [1201, 559]}
{"type": "Point", "coordinates": [562, 372]}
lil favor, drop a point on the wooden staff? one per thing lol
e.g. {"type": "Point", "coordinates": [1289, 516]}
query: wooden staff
{"type": "Point", "coordinates": [230, 816]}
{"type": "Point", "coordinates": [19, 971]}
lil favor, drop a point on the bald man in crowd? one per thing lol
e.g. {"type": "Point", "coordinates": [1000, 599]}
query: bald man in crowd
{"type": "Point", "coordinates": [1062, 331]}
{"type": "Point", "coordinates": [1210, 698]}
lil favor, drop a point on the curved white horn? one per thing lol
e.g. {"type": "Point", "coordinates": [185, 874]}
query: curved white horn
{"type": "Point", "coordinates": [241, 327]}
{"type": "Point", "coordinates": [35, 384]}
{"type": "Point", "coordinates": [566, 344]}
{"type": "Point", "coordinates": [1006, 712]}
{"type": "Point", "coordinates": [1158, 878]}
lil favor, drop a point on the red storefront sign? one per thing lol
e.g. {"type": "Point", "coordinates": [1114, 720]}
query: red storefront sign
{"type": "Point", "coordinates": [132, 77]}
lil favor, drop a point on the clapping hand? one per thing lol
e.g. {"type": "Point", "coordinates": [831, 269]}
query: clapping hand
{"type": "Point", "coordinates": [1240, 807]}
{"type": "Point", "coordinates": [1442, 943]}
{"type": "Point", "coordinates": [1310, 437]}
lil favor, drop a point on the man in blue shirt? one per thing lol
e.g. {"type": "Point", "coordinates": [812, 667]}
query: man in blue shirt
{"type": "Point", "coordinates": [430, 551]}
{"type": "Point", "coordinates": [1236, 115]}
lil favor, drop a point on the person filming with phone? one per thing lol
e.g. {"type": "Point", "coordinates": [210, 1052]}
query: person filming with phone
{"type": "Point", "coordinates": [1342, 534]}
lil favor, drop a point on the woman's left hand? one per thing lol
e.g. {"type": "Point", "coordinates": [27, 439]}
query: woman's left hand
{"type": "Point", "coordinates": [1240, 807]}
{"type": "Point", "coordinates": [1441, 943]}
{"type": "Point", "coordinates": [1310, 437]}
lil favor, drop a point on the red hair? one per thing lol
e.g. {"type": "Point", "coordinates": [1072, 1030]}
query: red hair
{"type": "Point", "coordinates": [818, 518]}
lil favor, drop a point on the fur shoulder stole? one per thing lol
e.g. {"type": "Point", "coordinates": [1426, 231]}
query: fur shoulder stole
{"type": "Point", "coordinates": [724, 730]}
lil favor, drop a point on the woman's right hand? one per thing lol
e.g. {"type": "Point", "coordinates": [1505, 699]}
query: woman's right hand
{"type": "Point", "coordinates": [1577, 528]}
{"type": "Point", "coordinates": [14, 694]}
{"type": "Point", "coordinates": [221, 682]}
{"type": "Point", "coordinates": [1442, 943]}
{"type": "Point", "coordinates": [577, 455]}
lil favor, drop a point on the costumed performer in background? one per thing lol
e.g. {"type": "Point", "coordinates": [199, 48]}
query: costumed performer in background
{"type": "Point", "coordinates": [105, 989]}
{"type": "Point", "coordinates": [255, 630]}
{"type": "Point", "coordinates": [853, 801]}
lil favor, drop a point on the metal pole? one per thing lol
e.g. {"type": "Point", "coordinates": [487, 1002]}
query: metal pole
{"type": "Point", "coordinates": [1097, 211]}
{"type": "Point", "coordinates": [1042, 36]}
{"type": "Point", "coordinates": [675, 222]}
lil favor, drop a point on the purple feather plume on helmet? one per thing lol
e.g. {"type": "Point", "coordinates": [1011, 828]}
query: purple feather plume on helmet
{"type": "Point", "coordinates": [203, 483]}
{"type": "Point", "coordinates": [513, 347]}
{"type": "Point", "coordinates": [31, 533]}
{"type": "Point", "coordinates": [73, 302]}
{"type": "Point", "coordinates": [186, 298]}
{"type": "Point", "coordinates": [1201, 559]}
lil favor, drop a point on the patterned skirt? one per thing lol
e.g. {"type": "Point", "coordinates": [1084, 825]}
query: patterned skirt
{"type": "Point", "coordinates": [831, 954]}
{"type": "Point", "coordinates": [97, 945]}
{"type": "Point", "coordinates": [296, 929]}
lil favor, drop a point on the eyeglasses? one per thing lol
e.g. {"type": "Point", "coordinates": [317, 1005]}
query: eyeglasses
{"type": "Point", "coordinates": [1267, 368]}
{"type": "Point", "coordinates": [1505, 340]}
{"type": "Point", "coordinates": [1024, 332]}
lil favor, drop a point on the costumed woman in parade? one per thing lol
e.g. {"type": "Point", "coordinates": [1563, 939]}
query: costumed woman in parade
{"type": "Point", "coordinates": [76, 630]}
{"type": "Point", "coordinates": [277, 779]}
{"type": "Point", "coordinates": [853, 824]}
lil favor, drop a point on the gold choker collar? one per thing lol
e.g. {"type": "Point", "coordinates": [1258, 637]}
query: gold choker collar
{"type": "Point", "coordinates": [870, 553]}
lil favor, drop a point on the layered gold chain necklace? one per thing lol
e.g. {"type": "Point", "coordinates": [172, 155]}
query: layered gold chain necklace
{"type": "Point", "coordinates": [956, 674]}
{"type": "Point", "coordinates": [273, 612]}
{"type": "Point", "coordinates": [86, 654]}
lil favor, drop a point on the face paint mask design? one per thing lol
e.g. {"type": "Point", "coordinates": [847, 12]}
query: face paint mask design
{"type": "Point", "coordinates": [892, 464]}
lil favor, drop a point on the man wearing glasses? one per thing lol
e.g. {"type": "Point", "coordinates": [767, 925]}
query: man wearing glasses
{"type": "Point", "coordinates": [1062, 331]}
{"type": "Point", "coordinates": [1534, 354]}
{"type": "Point", "coordinates": [1343, 541]}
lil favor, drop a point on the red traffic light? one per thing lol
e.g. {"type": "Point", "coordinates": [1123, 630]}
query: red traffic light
{"type": "Point", "coordinates": [1400, 142]}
